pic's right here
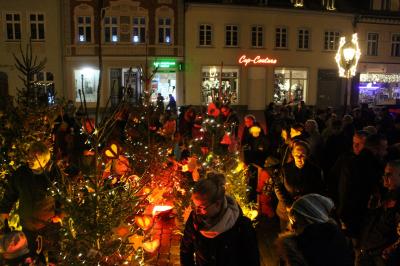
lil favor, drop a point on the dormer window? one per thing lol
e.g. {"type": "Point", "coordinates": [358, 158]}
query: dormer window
{"type": "Point", "coordinates": [329, 4]}
{"type": "Point", "coordinates": [297, 3]}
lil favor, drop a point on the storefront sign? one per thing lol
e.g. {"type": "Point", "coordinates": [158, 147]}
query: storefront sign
{"type": "Point", "coordinates": [258, 60]}
{"type": "Point", "coordinates": [165, 64]}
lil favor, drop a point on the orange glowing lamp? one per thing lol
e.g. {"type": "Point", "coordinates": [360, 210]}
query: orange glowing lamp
{"type": "Point", "coordinates": [151, 246]}
{"type": "Point", "coordinates": [161, 209]}
{"type": "Point", "coordinates": [145, 222]}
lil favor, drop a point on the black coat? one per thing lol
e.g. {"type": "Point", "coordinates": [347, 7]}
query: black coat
{"type": "Point", "coordinates": [319, 244]}
{"type": "Point", "coordinates": [235, 247]}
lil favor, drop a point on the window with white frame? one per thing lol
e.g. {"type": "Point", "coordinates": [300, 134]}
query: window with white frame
{"type": "Point", "coordinates": [396, 44]}
{"type": "Point", "coordinates": [231, 35]}
{"type": "Point", "coordinates": [331, 40]}
{"type": "Point", "coordinates": [290, 84]}
{"type": "Point", "coordinates": [257, 36]}
{"type": "Point", "coordinates": [84, 29]}
{"type": "Point", "coordinates": [13, 26]}
{"type": "Point", "coordinates": [372, 44]}
{"type": "Point", "coordinates": [164, 30]}
{"type": "Point", "coordinates": [211, 88]}
{"type": "Point", "coordinates": [303, 36]}
{"type": "Point", "coordinates": [111, 29]}
{"type": "Point", "coordinates": [205, 35]}
{"type": "Point", "coordinates": [138, 30]}
{"type": "Point", "coordinates": [281, 37]}
{"type": "Point", "coordinates": [36, 22]}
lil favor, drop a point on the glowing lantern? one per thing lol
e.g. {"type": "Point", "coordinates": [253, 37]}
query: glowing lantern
{"type": "Point", "coordinates": [151, 246]}
{"type": "Point", "coordinates": [145, 222]}
{"type": "Point", "coordinates": [347, 56]}
{"type": "Point", "coordinates": [161, 209]}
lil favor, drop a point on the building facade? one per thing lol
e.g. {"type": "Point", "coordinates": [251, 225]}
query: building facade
{"type": "Point", "coordinates": [269, 53]}
{"type": "Point", "coordinates": [137, 39]}
{"type": "Point", "coordinates": [22, 21]}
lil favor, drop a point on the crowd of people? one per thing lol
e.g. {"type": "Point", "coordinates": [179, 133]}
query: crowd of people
{"type": "Point", "coordinates": [332, 181]}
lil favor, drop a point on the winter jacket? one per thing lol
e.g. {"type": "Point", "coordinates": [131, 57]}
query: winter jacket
{"type": "Point", "coordinates": [360, 178]}
{"type": "Point", "coordinates": [234, 247]}
{"type": "Point", "coordinates": [319, 244]}
{"type": "Point", "coordinates": [36, 205]}
{"type": "Point", "coordinates": [297, 182]}
{"type": "Point", "coordinates": [379, 229]}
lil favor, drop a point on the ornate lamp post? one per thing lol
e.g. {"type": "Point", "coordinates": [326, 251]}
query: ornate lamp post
{"type": "Point", "coordinates": [347, 58]}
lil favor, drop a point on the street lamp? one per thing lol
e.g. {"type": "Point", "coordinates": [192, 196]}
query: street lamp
{"type": "Point", "coordinates": [347, 58]}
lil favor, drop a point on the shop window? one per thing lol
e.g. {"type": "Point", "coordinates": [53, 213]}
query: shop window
{"type": "Point", "coordinates": [13, 26]}
{"type": "Point", "coordinates": [331, 40]}
{"type": "Point", "coordinates": [164, 83]}
{"type": "Point", "coordinates": [290, 85]}
{"type": "Point", "coordinates": [372, 43]}
{"type": "Point", "coordinates": [37, 26]}
{"type": "Point", "coordinates": [229, 89]}
{"type": "Point", "coordinates": [303, 39]}
{"type": "Point", "coordinates": [231, 35]}
{"type": "Point", "coordinates": [257, 36]}
{"type": "Point", "coordinates": [379, 89]}
{"type": "Point", "coordinates": [111, 29]}
{"type": "Point", "coordinates": [281, 37]}
{"type": "Point", "coordinates": [396, 44]}
{"type": "Point", "coordinates": [205, 35]}
{"type": "Point", "coordinates": [86, 80]}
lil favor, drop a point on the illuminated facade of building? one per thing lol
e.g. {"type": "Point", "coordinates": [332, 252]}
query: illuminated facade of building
{"type": "Point", "coordinates": [133, 34]}
{"type": "Point", "coordinates": [21, 20]}
{"type": "Point", "coordinates": [285, 52]}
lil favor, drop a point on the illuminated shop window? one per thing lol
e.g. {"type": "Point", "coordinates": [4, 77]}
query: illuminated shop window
{"type": "Point", "coordinates": [379, 89]}
{"type": "Point", "coordinates": [211, 78]}
{"type": "Point", "coordinates": [86, 80]}
{"type": "Point", "coordinates": [290, 85]}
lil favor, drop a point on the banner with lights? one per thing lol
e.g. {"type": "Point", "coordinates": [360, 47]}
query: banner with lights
{"type": "Point", "coordinates": [257, 60]}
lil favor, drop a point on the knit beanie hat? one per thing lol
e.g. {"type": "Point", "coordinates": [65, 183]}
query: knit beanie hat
{"type": "Point", "coordinates": [13, 245]}
{"type": "Point", "coordinates": [313, 207]}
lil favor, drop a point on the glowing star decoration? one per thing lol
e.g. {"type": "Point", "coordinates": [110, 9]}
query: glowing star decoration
{"type": "Point", "coordinates": [347, 56]}
{"type": "Point", "coordinates": [255, 131]}
{"type": "Point", "coordinates": [257, 60]}
{"type": "Point", "coordinates": [136, 241]}
{"type": "Point", "coordinates": [151, 246]}
{"type": "Point", "coordinates": [159, 209]}
{"type": "Point", "coordinates": [145, 222]}
{"type": "Point", "coordinates": [113, 150]}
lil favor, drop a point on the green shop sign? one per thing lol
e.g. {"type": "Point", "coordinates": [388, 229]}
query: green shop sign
{"type": "Point", "coordinates": [165, 64]}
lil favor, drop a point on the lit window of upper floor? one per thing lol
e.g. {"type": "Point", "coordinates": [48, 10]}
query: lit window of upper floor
{"type": "Point", "coordinates": [13, 26]}
{"type": "Point", "coordinates": [84, 24]}
{"type": "Point", "coordinates": [385, 5]}
{"type": "Point", "coordinates": [165, 25]}
{"type": "Point", "coordinates": [111, 29]}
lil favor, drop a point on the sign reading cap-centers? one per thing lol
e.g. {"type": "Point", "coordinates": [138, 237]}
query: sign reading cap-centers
{"type": "Point", "coordinates": [257, 60]}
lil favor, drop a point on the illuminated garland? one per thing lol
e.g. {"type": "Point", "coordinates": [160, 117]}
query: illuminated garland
{"type": "Point", "coordinates": [385, 78]}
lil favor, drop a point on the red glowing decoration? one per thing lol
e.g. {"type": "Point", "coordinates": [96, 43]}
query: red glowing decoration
{"type": "Point", "coordinates": [257, 60]}
{"type": "Point", "coordinates": [145, 222]}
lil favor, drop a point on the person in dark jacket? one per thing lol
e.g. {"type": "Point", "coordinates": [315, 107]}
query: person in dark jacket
{"type": "Point", "coordinates": [379, 242]}
{"type": "Point", "coordinates": [216, 232]}
{"type": "Point", "coordinates": [298, 178]}
{"type": "Point", "coordinates": [39, 211]}
{"type": "Point", "coordinates": [315, 239]}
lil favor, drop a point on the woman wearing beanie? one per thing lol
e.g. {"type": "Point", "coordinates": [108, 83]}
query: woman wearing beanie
{"type": "Point", "coordinates": [315, 239]}
{"type": "Point", "coordinates": [216, 232]}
